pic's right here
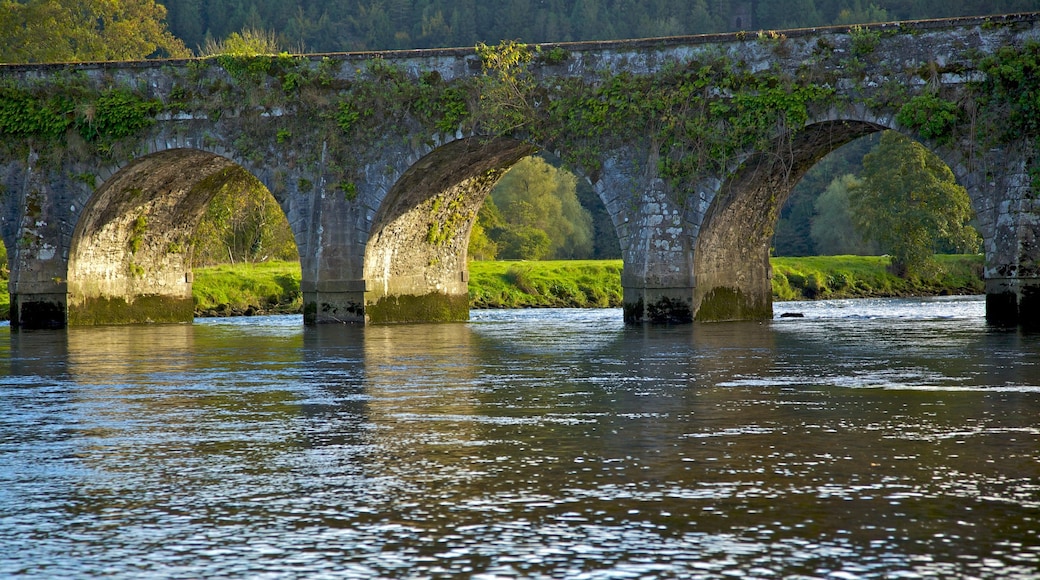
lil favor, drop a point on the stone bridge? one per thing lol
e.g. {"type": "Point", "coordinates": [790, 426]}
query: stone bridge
{"type": "Point", "coordinates": [380, 161]}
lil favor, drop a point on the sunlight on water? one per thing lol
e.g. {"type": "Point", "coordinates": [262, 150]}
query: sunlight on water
{"type": "Point", "coordinates": [873, 439]}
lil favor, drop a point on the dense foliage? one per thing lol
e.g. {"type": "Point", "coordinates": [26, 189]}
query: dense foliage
{"type": "Point", "coordinates": [83, 30]}
{"type": "Point", "coordinates": [909, 201]}
{"type": "Point", "coordinates": [534, 214]}
{"type": "Point", "coordinates": [833, 230]}
{"type": "Point", "coordinates": [346, 25]}
{"type": "Point", "coordinates": [243, 223]}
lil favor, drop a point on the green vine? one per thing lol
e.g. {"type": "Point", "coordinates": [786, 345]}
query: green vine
{"type": "Point", "coordinates": [246, 68]}
{"type": "Point", "coordinates": [553, 56]}
{"type": "Point", "coordinates": [506, 87]}
{"type": "Point", "coordinates": [931, 116]}
{"type": "Point", "coordinates": [1010, 97]}
{"type": "Point", "coordinates": [702, 115]}
{"type": "Point", "coordinates": [26, 115]}
{"type": "Point", "coordinates": [100, 118]}
{"type": "Point", "coordinates": [864, 40]}
{"type": "Point", "coordinates": [115, 115]}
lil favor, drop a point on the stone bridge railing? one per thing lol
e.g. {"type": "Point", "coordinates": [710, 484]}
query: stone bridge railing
{"type": "Point", "coordinates": [380, 161]}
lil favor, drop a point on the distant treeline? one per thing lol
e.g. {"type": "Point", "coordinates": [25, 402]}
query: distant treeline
{"type": "Point", "coordinates": [351, 25]}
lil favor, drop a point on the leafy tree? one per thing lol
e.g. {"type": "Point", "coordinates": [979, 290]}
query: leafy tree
{"type": "Point", "coordinates": [249, 42]}
{"type": "Point", "coordinates": [533, 213]}
{"type": "Point", "coordinates": [794, 229]}
{"type": "Point", "coordinates": [505, 86]}
{"type": "Point", "coordinates": [523, 242]}
{"type": "Point", "coordinates": [859, 14]}
{"type": "Point", "coordinates": [242, 223]}
{"type": "Point", "coordinates": [832, 227]}
{"type": "Point", "coordinates": [481, 246]}
{"type": "Point", "coordinates": [909, 201]}
{"type": "Point", "coordinates": [774, 14]}
{"type": "Point", "coordinates": [68, 31]}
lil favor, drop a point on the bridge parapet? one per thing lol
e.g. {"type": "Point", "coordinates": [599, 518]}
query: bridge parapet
{"type": "Point", "coordinates": [380, 161]}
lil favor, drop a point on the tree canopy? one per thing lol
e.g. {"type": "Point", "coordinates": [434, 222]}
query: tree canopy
{"type": "Point", "coordinates": [70, 31]}
{"type": "Point", "coordinates": [832, 230]}
{"type": "Point", "coordinates": [533, 213]}
{"type": "Point", "coordinates": [909, 201]}
{"type": "Point", "coordinates": [243, 223]}
{"type": "Point", "coordinates": [344, 25]}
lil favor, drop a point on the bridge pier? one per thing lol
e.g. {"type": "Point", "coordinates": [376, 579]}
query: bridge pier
{"type": "Point", "coordinates": [1013, 302]}
{"type": "Point", "coordinates": [657, 305]}
{"type": "Point", "coordinates": [38, 306]}
{"type": "Point", "coordinates": [341, 301]}
{"type": "Point", "coordinates": [361, 302]}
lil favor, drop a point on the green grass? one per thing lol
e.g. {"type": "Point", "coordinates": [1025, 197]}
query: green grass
{"type": "Point", "coordinates": [550, 284]}
{"type": "Point", "coordinates": [275, 286]}
{"type": "Point", "coordinates": [820, 277]}
{"type": "Point", "coordinates": [265, 286]}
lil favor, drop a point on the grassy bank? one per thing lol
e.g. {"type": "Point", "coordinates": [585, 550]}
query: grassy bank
{"type": "Point", "coordinates": [267, 287]}
{"type": "Point", "coordinates": [596, 283]}
{"type": "Point", "coordinates": [552, 284]}
{"type": "Point", "coordinates": [821, 277]}
{"type": "Point", "coordinates": [274, 287]}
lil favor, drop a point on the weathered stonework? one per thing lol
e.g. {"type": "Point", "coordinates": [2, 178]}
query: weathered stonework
{"type": "Point", "coordinates": [97, 231]}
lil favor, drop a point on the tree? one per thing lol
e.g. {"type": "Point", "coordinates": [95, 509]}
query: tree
{"type": "Point", "coordinates": [242, 223]}
{"type": "Point", "coordinates": [832, 230]}
{"type": "Point", "coordinates": [481, 246]}
{"type": "Point", "coordinates": [68, 31]}
{"type": "Point", "coordinates": [909, 201]}
{"type": "Point", "coordinates": [249, 42]}
{"type": "Point", "coordinates": [859, 14]}
{"type": "Point", "coordinates": [536, 197]}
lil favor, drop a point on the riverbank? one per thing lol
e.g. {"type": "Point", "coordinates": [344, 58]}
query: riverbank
{"type": "Point", "coordinates": [248, 289]}
{"type": "Point", "coordinates": [823, 277]}
{"type": "Point", "coordinates": [274, 287]}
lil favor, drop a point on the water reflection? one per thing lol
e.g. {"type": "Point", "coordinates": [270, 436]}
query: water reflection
{"type": "Point", "coordinates": [526, 444]}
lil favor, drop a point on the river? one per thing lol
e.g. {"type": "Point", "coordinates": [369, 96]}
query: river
{"type": "Point", "coordinates": [866, 439]}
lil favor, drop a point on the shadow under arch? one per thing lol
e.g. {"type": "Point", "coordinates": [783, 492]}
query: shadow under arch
{"type": "Point", "coordinates": [130, 254]}
{"type": "Point", "coordinates": [731, 260]}
{"type": "Point", "coordinates": [415, 259]}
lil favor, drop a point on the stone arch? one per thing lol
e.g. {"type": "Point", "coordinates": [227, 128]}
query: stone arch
{"type": "Point", "coordinates": [415, 256]}
{"type": "Point", "coordinates": [732, 275]}
{"type": "Point", "coordinates": [731, 262]}
{"type": "Point", "coordinates": [130, 254]}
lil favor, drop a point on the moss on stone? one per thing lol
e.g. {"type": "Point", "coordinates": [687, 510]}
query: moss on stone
{"type": "Point", "coordinates": [144, 309]}
{"type": "Point", "coordinates": [433, 307]}
{"type": "Point", "coordinates": [722, 304]}
{"type": "Point", "coordinates": [310, 313]}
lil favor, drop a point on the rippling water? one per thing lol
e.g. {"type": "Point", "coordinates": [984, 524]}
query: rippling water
{"type": "Point", "coordinates": [868, 439]}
